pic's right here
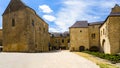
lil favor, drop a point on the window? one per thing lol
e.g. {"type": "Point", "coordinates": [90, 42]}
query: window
{"type": "Point", "coordinates": [62, 40]}
{"type": "Point", "coordinates": [93, 36]}
{"type": "Point", "coordinates": [80, 30]}
{"type": "Point", "coordinates": [61, 35]}
{"type": "Point", "coordinates": [56, 41]}
{"type": "Point", "coordinates": [32, 22]}
{"type": "Point", "coordinates": [13, 22]}
{"type": "Point", "coordinates": [68, 34]}
{"type": "Point", "coordinates": [68, 40]}
{"type": "Point", "coordinates": [44, 30]}
{"type": "Point", "coordinates": [103, 31]}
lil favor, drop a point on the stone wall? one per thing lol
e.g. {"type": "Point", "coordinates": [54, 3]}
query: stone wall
{"type": "Point", "coordinates": [79, 37]}
{"type": "Point", "coordinates": [60, 42]}
{"type": "Point", "coordinates": [110, 35]}
{"type": "Point", "coordinates": [114, 34]}
{"type": "Point", "coordinates": [1, 35]}
{"type": "Point", "coordinates": [14, 31]}
{"type": "Point", "coordinates": [94, 35]}
{"type": "Point", "coordinates": [104, 38]}
{"type": "Point", "coordinates": [28, 33]}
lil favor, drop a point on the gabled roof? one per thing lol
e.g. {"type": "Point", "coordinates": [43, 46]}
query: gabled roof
{"type": "Point", "coordinates": [14, 5]}
{"type": "Point", "coordinates": [80, 24]}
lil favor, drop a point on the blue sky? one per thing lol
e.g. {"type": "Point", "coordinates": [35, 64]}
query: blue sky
{"type": "Point", "coordinates": [61, 14]}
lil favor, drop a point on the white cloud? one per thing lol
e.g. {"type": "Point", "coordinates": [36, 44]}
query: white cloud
{"type": "Point", "coordinates": [49, 18]}
{"type": "Point", "coordinates": [45, 8]}
{"type": "Point", "coordinates": [51, 29]}
{"type": "Point", "coordinates": [74, 10]}
{"type": "Point", "coordinates": [0, 27]}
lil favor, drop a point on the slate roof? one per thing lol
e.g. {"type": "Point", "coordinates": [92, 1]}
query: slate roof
{"type": "Point", "coordinates": [65, 34]}
{"type": "Point", "coordinates": [80, 24]}
{"type": "Point", "coordinates": [54, 34]}
{"type": "Point", "coordinates": [14, 5]}
{"type": "Point", "coordinates": [96, 23]}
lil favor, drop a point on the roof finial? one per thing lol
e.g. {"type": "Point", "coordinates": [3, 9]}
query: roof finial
{"type": "Point", "coordinates": [116, 5]}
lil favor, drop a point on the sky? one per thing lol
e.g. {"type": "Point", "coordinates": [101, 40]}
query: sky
{"type": "Point", "coordinates": [61, 14]}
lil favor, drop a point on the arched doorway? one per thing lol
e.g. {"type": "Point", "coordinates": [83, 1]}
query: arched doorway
{"type": "Point", "coordinates": [103, 45]}
{"type": "Point", "coordinates": [81, 48]}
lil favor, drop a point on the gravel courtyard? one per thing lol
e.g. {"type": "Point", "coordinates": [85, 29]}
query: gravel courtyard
{"type": "Point", "coordinates": [59, 59]}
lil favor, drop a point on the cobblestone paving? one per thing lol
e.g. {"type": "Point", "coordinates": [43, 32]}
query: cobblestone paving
{"type": "Point", "coordinates": [60, 59]}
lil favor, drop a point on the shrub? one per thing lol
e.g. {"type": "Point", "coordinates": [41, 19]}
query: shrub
{"type": "Point", "coordinates": [94, 49]}
{"type": "Point", "coordinates": [113, 58]}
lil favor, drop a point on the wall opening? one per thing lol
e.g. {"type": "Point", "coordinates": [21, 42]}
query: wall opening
{"type": "Point", "coordinates": [13, 22]}
{"type": "Point", "coordinates": [103, 45]}
{"type": "Point", "coordinates": [81, 48]}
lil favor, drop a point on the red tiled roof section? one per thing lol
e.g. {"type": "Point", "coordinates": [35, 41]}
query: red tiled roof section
{"type": "Point", "coordinates": [14, 5]}
{"type": "Point", "coordinates": [80, 24]}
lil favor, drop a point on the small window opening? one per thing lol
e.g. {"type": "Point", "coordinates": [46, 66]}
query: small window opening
{"type": "Point", "coordinates": [80, 30]}
{"type": "Point", "coordinates": [33, 23]}
{"type": "Point", "coordinates": [13, 22]}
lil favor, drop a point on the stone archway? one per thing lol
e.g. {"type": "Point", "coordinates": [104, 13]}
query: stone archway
{"type": "Point", "coordinates": [105, 47]}
{"type": "Point", "coordinates": [81, 48]}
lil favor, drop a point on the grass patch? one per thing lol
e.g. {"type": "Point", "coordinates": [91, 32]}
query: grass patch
{"type": "Point", "coordinates": [106, 66]}
{"type": "Point", "coordinates": [99, 62]}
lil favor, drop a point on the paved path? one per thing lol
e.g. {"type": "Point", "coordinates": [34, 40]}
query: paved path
{"type": "Point", "coordinates": [61, 59]}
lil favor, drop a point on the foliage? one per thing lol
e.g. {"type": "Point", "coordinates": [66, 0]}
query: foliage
{"type": "Point", "coordinates": [113, 58]}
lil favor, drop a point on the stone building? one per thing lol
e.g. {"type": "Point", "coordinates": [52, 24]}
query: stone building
{"type": "Point", "coordinates": [79, 37]}
{"type": "Point", "coordinates": [110, 32]}
{"type": "Point", "coordinates": [104, 36]}
{"type": "Point", "coordinates": [60, 40]}
{"type": "Point", "coordinates": [94, 35]}
{"type": "Point", "coordinates": [84, 36]}
{"type": "Point", "coordinates": [1, 47]}
{"type": "Point", "coordinates": [23, 29]}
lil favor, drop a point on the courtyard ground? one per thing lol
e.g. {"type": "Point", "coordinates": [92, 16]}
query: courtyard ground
{"type": "Point", "coordinates": [59, 59]}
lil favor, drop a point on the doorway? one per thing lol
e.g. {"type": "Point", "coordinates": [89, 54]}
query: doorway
{"type": "Point", "coordinates": [81, 48]}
